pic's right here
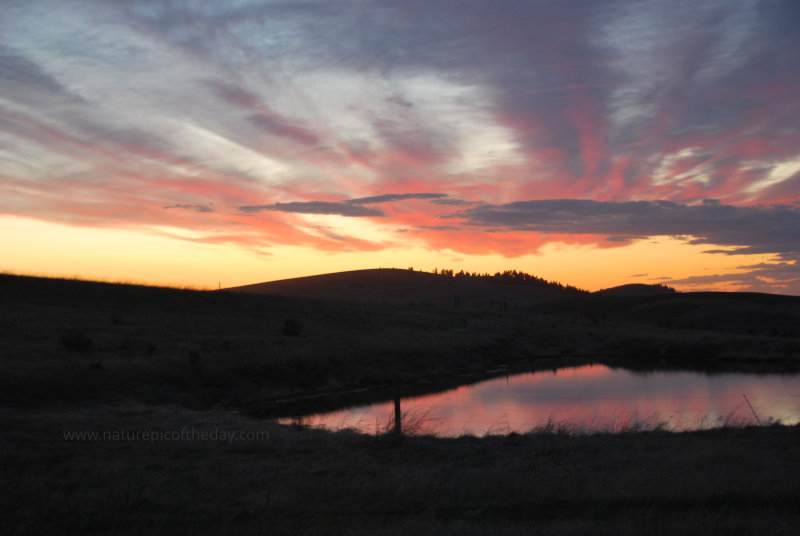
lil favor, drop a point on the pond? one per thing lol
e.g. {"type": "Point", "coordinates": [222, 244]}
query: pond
{"type": "Point", "coordinates": [590, 398]}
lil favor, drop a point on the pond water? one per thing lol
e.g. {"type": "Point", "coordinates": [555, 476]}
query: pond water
{"type": "Point", "coordinates": [590, 398]}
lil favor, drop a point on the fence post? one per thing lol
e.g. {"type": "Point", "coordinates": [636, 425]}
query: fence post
{"type": "Point", "coordinates": [397, 416]}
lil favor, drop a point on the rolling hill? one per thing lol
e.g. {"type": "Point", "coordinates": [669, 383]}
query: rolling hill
{"type": "Point", "coordinates": [393, 285]}
{"type": "Point", "coordinates": [637, 289]}
{"type": "Point", "coordinates": [743, 312]}
{"type": "Point", "coordinates": [735, 312]}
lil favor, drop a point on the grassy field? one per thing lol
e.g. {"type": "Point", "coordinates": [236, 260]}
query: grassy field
{"type": "Point", "coordinates": [166, 374]}
{"type": "Point", "coordinates": [296, 481]}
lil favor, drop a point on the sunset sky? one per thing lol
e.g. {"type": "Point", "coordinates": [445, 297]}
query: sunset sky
{"type": "Point", "coordinates": [232, 142]}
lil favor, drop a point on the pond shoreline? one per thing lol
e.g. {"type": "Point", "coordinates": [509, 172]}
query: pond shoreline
{"type": "Point", "coordinates": [327, 401]}
{"type": "Point", "coordinates": [585, 398]}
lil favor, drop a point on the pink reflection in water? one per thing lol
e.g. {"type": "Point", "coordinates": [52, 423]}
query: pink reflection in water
{"type": "Point", "coordinates": [584, 399]}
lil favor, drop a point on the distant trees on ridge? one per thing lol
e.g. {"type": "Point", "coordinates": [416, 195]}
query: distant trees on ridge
{"type": "Point", "coordinates": [510, 277]}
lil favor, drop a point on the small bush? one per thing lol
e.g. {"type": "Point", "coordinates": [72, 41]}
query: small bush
{"type": "Point", "coordinates": [76, 340]}
{"type": "Point", "coordinates": [291, 328]}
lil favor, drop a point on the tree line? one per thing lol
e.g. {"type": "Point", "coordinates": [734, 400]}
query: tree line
{"type": "Point", "coordinates": [508, 276]}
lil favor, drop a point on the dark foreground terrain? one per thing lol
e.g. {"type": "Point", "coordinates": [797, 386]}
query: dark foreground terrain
{"type": "Point", "coordinates": [161, 377]}
{"type": "Point", "coordinates": [296, 481]}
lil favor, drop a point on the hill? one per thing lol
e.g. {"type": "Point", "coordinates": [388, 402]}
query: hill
{"type": "Point", "coordinates": [733, 312]}
{"type": "Point", "coordinates": [655, 305]}
{"type": "Point", "coordinates": [637, 289]}
{"type": "Point", "coordinates": [393, 285]}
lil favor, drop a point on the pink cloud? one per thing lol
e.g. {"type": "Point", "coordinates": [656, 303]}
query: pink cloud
{"type": "Point", "coordinates": [680, 104]}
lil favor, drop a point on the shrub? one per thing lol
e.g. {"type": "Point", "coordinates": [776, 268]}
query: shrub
{"type": "Point", "coordinates": [291, 328]}
{"type": "Point", "coordinates": [76, 340]}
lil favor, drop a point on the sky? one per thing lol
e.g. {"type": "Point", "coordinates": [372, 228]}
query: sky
{"type": "Point", "coordinates": [593, 143]}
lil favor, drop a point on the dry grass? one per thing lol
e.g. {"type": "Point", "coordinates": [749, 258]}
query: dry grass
{"type": "Point", "coordinates": [168, 359]}
{"type": "Point", "coordinates": [87, 342]}
{"type": "Point", "coordinates": [302, 480]}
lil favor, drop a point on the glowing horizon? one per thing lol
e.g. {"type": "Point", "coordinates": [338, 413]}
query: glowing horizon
{"type": "Point", "coordinates": [251, 141]}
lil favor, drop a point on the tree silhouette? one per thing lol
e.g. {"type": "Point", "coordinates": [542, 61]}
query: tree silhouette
{"type": "Point", "coordinates": [512, 277]}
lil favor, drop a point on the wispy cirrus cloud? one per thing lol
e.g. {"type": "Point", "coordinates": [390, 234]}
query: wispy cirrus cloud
{"type": "Point", "coordinates": [504, 124]}
{"type": "Point", "coordinates": [260, 115]}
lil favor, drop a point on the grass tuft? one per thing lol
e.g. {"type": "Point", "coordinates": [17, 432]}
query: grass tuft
{"type": "Point", "coordinates": [291, 328]}
{"type": "Point", "coordinates": [75, 340]}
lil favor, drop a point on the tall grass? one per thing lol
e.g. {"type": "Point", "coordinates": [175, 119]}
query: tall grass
{"type": "Point", "coordinates": [307, 481]}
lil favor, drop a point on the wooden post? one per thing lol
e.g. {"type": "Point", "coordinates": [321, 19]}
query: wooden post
{"type": "Point", "coordinates": [397, 416]}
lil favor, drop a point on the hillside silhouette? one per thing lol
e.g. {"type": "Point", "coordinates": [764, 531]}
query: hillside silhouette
{"type": "Point", "coordinates": [635, 304]}
{"type": "Point", "coordinates": [637, 289]}
{"type": "Point", "coordinates": [509, 289]}
{"type": "Point", "coordinates": [750, 313]}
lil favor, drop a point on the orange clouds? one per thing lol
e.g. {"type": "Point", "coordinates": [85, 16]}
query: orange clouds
{"type": "Point", "coordinates": [198, 110]}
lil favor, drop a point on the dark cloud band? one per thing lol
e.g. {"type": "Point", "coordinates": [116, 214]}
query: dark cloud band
{"type": "Point", "coordinates": [756, 229]}
{"type": "Point", "coordinates": [387, 198]}
{"type": "Point", "coordinates": [195, 208]}
{"type": "Point", "coordinates": [315, 207]}
{"type": "Point", "coordinates": [350, 207]}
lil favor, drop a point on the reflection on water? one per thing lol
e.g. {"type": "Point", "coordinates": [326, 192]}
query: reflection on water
{"type": "Point", "coordinates": [583, 399]}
